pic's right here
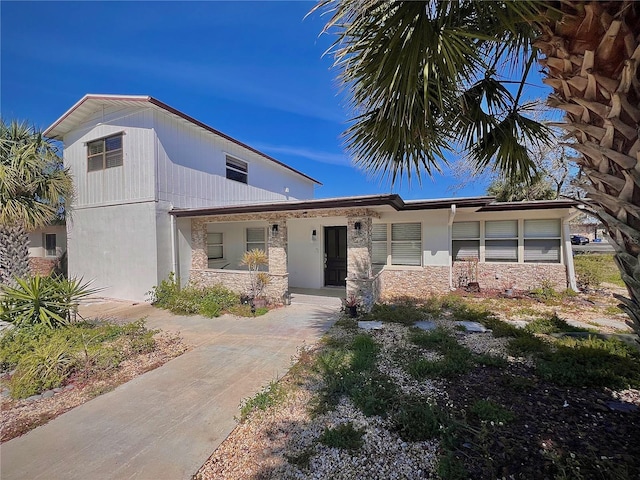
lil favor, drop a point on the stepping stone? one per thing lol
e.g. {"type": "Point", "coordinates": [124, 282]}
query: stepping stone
{"type": "Point", "coordinates": [370, 325]}
{"type": "Point", "coordinates": [617, 406]}
{"type": "Point", "coordinates": [425, 325]}
{"type": "Point", "coordinates": [473, 327]}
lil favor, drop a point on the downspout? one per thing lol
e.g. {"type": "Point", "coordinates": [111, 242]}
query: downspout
{"type": "Point", "coordinates": [568, 251]}
{"type": "Point", "coordinates": [175, 254]}
{"type": "Point", "coordinates": [452, 214]}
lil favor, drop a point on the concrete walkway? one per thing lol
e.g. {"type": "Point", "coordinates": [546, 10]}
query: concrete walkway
{"type": "Point", "coordinates": [165, 424]}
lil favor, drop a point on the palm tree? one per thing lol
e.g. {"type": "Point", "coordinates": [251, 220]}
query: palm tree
{"type": "Point", "coordinates": [33, 188]}
{"type": "Point", "coordinates": [426, 76]}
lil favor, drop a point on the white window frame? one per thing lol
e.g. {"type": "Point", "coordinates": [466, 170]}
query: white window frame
{"type": "Point", "coordinates": [390, 244]}
{"type": "Point", "coordinates": [468, 239]}
{"type": "Point", "coordinates": [105, 158]}
{"type": "Point", "coordinates": [47, 251]}
{"type": "Point", "coordinates": [253, 244]}
{"type": "Point", "coordinates": [555, 238]}
{"type": "Point", "coordinates": [237, 168]}
{"type": "Point", "coordinates": [521, 238]}
{"type": "Point", "coordinates": [377, 242]}
{"type": "Point", "coordinates": [220, 244]}
{"type": "Point", "coordinates": [500, 238]}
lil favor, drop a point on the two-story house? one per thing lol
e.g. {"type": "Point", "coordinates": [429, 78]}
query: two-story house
{"type": "Point", "coordinates": [159, 191]}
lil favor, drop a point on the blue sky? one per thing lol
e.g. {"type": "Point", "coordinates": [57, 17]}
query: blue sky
{"type": "Point", "coordinates": [253, 70]}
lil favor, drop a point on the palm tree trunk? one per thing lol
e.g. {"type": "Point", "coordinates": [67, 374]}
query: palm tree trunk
{"type": "Point", "coordinates": [14, 254]}
{"type": "Point", "coordinates": [592, 57]}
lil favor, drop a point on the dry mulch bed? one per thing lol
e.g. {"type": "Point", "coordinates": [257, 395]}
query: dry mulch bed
{"type": "Point", "coordinates": [20, 416]}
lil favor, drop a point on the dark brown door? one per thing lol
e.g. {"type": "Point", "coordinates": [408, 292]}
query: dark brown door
{"type": "Point", "coordinates": [335, 254]}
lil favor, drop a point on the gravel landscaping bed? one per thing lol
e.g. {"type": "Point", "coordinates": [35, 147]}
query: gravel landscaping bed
{"type": "Point", "coordinates": [500, 419]}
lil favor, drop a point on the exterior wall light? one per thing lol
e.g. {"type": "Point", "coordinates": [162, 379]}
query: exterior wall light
{"type": "Point", "coordinates": [314, 235]}
{"type": "Point", "coordinates": [274, 229]}
{"type": "Point", "coordinates": [357, 226]}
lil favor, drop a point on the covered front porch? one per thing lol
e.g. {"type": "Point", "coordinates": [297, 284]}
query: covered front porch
{"type": "Point", "coordinates": [327, 253]}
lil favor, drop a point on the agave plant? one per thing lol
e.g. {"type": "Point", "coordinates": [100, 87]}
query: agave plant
{"type": "Point", "coordinates": [49, 301]}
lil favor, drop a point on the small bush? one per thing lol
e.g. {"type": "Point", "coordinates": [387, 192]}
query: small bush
{"type": "Point", "coordinates": [451, 467]}
{"type": "Point", "coordinates": [551, 324]}
{"type": "Point", "coordinates": [49, 301]}
{"type": "Point", "coordinates": [191, 300]}
{"type": "Point", "coordinates": [546, 292]}
{"type": "Point", "coordinates": [417, 420]}
{"type": "Point", "coordinates": [343, 436]}
{"type": "Point", "coordinates": [591, 362]}
{"type": "Point", "coordinates": [365, 351]}
{"type": "Point", "coordinates": [455, 362]}
{"type": "Point", "coordinates": [373, 393]}
{"type": "Point", "coordinates": [402, 313]}
{"type": "Point", "coordinates": [438, 339]}
{"type": "Point", "coordinates": [527, 345]}
{"type": "Point", "coordinates": [490, 411]}
{"type": "Point", "coordinates": [502, 329]}
{"type": "Point", "coordinates": [302, 459]}
{"type": "Point", "coordinates": [47, 366]}
{"type": "Point", "coordinates": [594, 269]}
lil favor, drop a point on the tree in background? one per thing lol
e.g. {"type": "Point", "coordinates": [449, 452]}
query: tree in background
{"type": "Point", "coordinates": [423, 76]}
{"type": "Point", "coordinates": [34, 186]}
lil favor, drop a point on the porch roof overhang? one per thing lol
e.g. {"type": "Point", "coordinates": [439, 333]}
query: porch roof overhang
{"type": "Point", "coordinates": [482, 204]}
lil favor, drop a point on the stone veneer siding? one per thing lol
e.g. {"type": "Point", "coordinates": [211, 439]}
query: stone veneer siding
{"type": "Point", "coordinates": [413, 282]}
{"type": "Point", "coordinates": [520, 276]}
{"type": "Point", "coordinates": [42, 266]}
{"type": "Point", "coordinates": [238, 281]}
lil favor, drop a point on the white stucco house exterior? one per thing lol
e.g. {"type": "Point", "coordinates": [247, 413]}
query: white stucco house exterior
{"type": "Point", "coordinates": [159, 191]}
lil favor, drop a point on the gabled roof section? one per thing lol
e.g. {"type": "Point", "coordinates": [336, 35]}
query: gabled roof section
{"type": "Point", "coordinates": [88, 104]}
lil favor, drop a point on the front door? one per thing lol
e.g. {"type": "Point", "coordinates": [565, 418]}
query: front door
{"type": "Point", "coordinates": [335, 255]}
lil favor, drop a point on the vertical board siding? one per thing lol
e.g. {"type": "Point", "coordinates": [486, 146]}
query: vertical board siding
{"type": "Point", "coordinates": [192, 169]}
{"type": "Point", "coordinates": [131, 182]}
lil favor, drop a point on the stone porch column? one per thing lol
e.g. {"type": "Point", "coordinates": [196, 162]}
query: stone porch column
{"type": "Point", "coordinates": [277, 247]}
{"type": "Point", "coordinates": [199, 256]}
{"type": "Point", "coordinates": [359, 278]}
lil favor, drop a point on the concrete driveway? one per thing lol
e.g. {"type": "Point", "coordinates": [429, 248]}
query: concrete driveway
{"type": "Point", "coordinates": [165, 424]}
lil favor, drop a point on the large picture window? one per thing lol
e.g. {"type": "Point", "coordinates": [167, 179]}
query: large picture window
{"type": "Point", "coordinates": [237, 170]}
{"type": "Point", "coordinates": [104, 153]}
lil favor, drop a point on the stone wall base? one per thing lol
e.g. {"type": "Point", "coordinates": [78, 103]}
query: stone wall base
{"type": "Point", "coordinates": [239, 282]}
{"type": "Point", "coordinates": [520, 276]}
{"type": "Point", "coordinates": [42, 266]}
{"type": "Point", "coordinates": [414, 283]}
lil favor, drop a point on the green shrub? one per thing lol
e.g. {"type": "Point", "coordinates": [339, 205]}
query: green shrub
{"type": "Point", "coordinates": [551, 324]}
{"type": "Point", "coordinates": [47, 366]}
{"type": "Point", "coordinates": [50, 301]}
{"type": "Point", "coordinates": [591, 362]}
{"type": "Point", "coordinates": [417, 420]}
{"type": "Point", "coordinates": [527, 345]}
{"type": "Point", "coordinates": [372, 393]}
{"type": "Point", "coordinates": [502, 329]}
{"type": "Point", "coordinates": [191, 300]}
{"type": "Point", "coordinates": [451, 467]}
{"type": "Point", "coordinates": [455, 362]}
{"type": "Point", "coordinates": [365, 351]}
{"type": "Point", "coordinates": [402, 313]}
{"type": "Point", "coordinates": [163, 295]}
{"type": "Point", "coordinates": [439, 339]}
{"type": "Point", "coordinates": [44, 358]}
{"type": "Point", "coordinates": [490, 411]}
{"type": "Point", "coordinates": [546, 292]}
{"type": "Point", "coordinates": [343, 436]}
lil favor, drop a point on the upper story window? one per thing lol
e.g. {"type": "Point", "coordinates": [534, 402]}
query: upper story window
{"type": "Point", "coordinates": [104, 153]}
{"type": "Point", "coordinates": [237, 170]}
